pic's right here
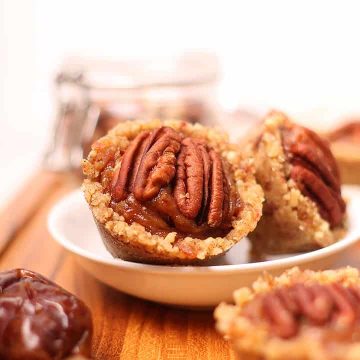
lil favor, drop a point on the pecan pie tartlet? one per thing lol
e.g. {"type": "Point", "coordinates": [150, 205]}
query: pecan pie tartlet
{"type": "Point", "coordinates": [299, 316]}
{"type": "Point", "coordinates": [345, 144]}
{"type": "Point", "coordinates": [170, 192]}
{"type": "Point", "coordinates": [303, 207]}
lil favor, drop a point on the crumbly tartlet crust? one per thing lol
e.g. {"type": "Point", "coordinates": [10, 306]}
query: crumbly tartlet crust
{"type": "Point", "coordinates": [291, 222]}
{"type": "Point", "coordinates": [131, 241]}
{"type": "Point", "coordinates": [253, 341]}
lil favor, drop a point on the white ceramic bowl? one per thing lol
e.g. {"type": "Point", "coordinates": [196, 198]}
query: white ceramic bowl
{"type": "Point", "coordinates": [72, 226]}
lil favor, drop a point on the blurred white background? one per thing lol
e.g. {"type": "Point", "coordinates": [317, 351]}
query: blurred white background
{"type": "Point", "coordinates": [298, 56]}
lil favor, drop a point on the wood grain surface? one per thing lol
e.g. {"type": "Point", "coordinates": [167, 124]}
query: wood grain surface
{"type": "Point", "coordinates": [125, 328]}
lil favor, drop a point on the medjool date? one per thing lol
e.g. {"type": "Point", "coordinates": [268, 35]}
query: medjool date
{"type": "Point", "coordinates": [40, 320]}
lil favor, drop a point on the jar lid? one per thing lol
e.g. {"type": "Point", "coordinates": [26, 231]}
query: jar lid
{"type": "Point", "coordinates": [189, 69]}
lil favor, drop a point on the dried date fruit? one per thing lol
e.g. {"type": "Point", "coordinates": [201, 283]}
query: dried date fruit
{"type": "Point", "coordinates": [39, 320]}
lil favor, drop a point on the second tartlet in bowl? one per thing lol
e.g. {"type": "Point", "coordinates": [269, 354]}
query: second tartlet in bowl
{"type": "Point", "coordinates": [170, 192]}
{"type": "Point", "coordinates": [304, 209]}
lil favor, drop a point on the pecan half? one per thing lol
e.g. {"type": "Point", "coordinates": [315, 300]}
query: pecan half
{"type": "Point", "coordinates": [136, 151]}
{"type": "Point", "coordinates": [202, 188]}
{"type": "Point", "coordinates": [315, 171]}
{"type": "Point", "coordinates": [157, 166]}
{"type": "Point", "coordinates": [207, 172]}
{"type": "Point", "coordinates": [217, 190]}
{"type": "Point", "coordinates": [288, 308]}
{"type": "Point", "coordinates": [188, 190]}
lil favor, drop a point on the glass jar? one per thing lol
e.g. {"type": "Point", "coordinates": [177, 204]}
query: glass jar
{"type": "Point", "coordinates": [94, 95]}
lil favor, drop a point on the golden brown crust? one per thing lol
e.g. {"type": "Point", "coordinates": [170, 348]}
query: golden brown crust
{"type": "Point", "coordinates": [130, 251]}
{"type": "Point", "coordinates": [291, 222]}
{"type": "Point", "coordinates": [133, 241]}
{"type": "Point", "coordinates": [252, 341]}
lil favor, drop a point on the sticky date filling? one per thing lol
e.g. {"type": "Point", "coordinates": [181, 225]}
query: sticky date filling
{"type": "Point", "coordinates": [161, 216]}
{"type": "Point", "coordinates": [289, 311]}
{"type": "Point", "coordinates": [169, 182]}
{"type": "Point", "coordinates": [314, 170]}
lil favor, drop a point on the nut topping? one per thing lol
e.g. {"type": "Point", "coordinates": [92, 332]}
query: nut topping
{"type": "Point", "coordinates": [314, 170]}
{"type": "Point", "coordinates": [217, 191]}
{"type": "Point", "coordinates": [147, 165]}
{"type": "Point", "coordinates": [286, 309]}
{"type": "Point", "coordinates": [188, 190]}
{"type": "Point", "coordinates": [207, 172]}
{"type": "Point", "coordinates": [163, 166]}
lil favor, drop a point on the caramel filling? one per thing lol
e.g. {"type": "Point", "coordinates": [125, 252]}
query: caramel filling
{"type": "Point", "coordinates": [315, 172]}
{"type": "Point", "coordinates": [290, 310]}
{"type": "Point", "coordinates": [171, 183]}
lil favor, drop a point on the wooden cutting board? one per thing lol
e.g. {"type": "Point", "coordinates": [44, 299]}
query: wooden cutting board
{"type": "Point", "coordinates": [125, 328]}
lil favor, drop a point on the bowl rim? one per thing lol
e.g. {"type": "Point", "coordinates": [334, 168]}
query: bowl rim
{"type": "Point", "coordinates": [350, 191]}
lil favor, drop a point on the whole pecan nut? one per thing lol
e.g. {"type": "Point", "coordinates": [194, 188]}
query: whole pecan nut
{"type": "Point", "coordinates": [314, 170]}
